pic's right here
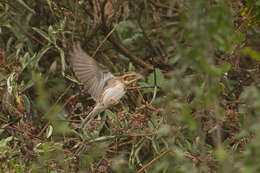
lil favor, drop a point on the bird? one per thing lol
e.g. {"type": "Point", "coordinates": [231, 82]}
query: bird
{"type": "Point", "coordinates": [105, 88]}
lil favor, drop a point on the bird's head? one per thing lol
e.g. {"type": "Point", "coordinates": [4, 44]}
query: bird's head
{"type": "Point", "coordinates": [131, 77]}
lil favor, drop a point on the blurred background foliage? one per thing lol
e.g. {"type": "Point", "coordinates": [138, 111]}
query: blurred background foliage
{"type": "Point", "coordinates": [196, 111]}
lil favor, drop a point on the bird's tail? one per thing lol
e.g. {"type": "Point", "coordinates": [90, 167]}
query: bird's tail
{"type": "Point", "coordinates": [97, 109]}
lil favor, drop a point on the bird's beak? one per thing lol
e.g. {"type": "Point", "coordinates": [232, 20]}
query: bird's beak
{"type": "Point", "coordinates": [139, 77]}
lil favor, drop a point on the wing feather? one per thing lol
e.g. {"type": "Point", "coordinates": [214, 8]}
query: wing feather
{"type": "Point", "coordinates": [93, 76]}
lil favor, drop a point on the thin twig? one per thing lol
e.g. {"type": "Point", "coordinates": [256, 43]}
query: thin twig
{"type": "Point", "coordinates": [21, 27]}
{"type": "Point", "coordinates": [43, 129]}
{"type": "Point", "coordinates": [75, 14]}
{"type": "Point", "coordinates": [139, 87]}
{"type": "Point", "coordinates": [147, 105]}
{"type": "Point", "coordinates": [152, 161]}
{"type": "Point", "coordinates": [149, 42]}
{"type": "Point", "coordinates": [57, 101]}
{"type": "Point", "coordinates": [20, 131]}
{"type": "Point", "coordinates": [127, 53]}
{"type": "Point", "coordinates": [245, 19]}
{"type": "Point", "coordinates": [69, 99]}
{"type": "Point", "coordinates": [106, 138]}
{"type": "Point", "coordinates": [154, 92]}
{"type": "Point", "coordinates": [160, 5]}
{"type": "Point", "coordinates": [108, 35]}
{"type": "Point", "coordinates": [154, 51]}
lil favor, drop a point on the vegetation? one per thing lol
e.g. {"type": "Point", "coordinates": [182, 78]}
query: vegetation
{"type": "Point", "coordinates": [196, 111]}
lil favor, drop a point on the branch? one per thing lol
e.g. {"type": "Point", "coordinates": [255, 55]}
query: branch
{"type": "Point", "coordinates": [152, 161]}
{"type": "Point", "coordinates": [21, 27]}
{"type": "Point", "coordinates": [127, 53]}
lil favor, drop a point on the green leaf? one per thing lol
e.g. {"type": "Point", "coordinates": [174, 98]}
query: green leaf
{"type": "Point", "coordinates": [72, 79]}
{"type": "Point", "coordinates": [219, 70]}
{"type": "Point", "coordinates": [39, 55]}
{"type": "Point", "coordinates": [126, 30]}
{"type": "Point", "coordinates": [145, 90]}
{"type": "Point", "coordinates": [159, 78]}
{"type": "Point", "coordinates": [257, 3]}
{"type": "Point", "coordinates": [49, 131]}
{"type": "Point", "coordinates": [2, 76]}
{"type": "Point", "coordinates": [43, 34]}
{"type": "Point", "coordinates": [63, 63]}
{"type": "Point", "coordinates": [188, 119]}
{"type": "Point", "coordinates": [155, 145]}
{"type": "Point", "coordinates": [249, 51]}
{"type": "Point", "coordinates": [26, 6]}
{"type": "Point", "coordinates": [52, 35]}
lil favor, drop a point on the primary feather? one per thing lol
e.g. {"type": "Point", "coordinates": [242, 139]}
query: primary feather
{"type": "Point", "coordinates": [93, 76]}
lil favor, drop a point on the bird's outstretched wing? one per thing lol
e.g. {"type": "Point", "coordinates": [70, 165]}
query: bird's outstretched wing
{"type": "Point", "coordinates": [93, 76]}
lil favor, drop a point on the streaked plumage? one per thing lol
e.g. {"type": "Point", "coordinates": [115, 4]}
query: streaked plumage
{"type": "Point", "coordinates": [101, 84]}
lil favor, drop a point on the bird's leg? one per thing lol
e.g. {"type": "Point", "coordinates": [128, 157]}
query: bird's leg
{"type": "Point", "coordinates": [87, 120]}
{"type": "Point", "coordinates": [97, 109]}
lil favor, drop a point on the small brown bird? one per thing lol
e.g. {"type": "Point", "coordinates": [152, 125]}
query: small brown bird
{"type": "Point", "coordinates": [101, 84]}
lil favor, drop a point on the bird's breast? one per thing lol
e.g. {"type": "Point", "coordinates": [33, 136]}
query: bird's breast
{"type": "Point", "coordinates": [115, 92]}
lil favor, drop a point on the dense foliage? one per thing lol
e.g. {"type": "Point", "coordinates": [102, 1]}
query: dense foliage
{"type": "Point", "coordinates": [196, 111]}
